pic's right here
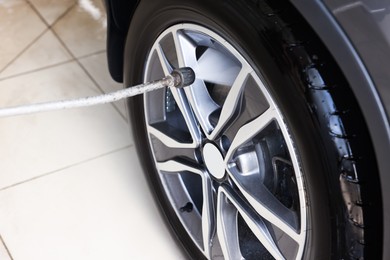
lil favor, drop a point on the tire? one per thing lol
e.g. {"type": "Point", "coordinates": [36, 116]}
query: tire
{"type": "Point", "coordinates": [232, 182]}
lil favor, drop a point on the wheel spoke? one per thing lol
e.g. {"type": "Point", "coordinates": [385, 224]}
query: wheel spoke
{"type": "Point", "coordinates": [176, 166]}
{"type": "Point", "coordinates": [185, 49]}
{"type": "Point", "coordinates": [227, 230]}
{"type": "Point", "coordinates": [165, 65]}
{"type": "Point", "coordinates": [181, 102]}
{"type": "Point", "coordinates": [208, 215]}
{"type": "Point", "coordinates": [169, 141]}
{"type": "Point", "coordinates": [249, 130]}
{"type": "Point", "coordinates": [260, 198]}
{"type": "Point", "coordinates": [202, 104]}
{"type": "Point", "coordinates": [231, 102]}
{"type": "Point", "coordinates": [254, 222]}
{"type": "Point", "coordinates": [217, 68]}
{"type": "Point", "coordinates": [269, 207]}
{"type": "Point", "coordinates": [198, 96]}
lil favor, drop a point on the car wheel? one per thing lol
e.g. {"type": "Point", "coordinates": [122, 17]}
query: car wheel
{"type": "Point", "coordinates": [263, 156]}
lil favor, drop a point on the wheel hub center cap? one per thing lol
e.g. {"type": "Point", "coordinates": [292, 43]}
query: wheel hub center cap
{"type": "Point", "coordinates": [214, 160]}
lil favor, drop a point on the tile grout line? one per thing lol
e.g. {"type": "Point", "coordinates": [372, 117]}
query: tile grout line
{"type": "Point", "coordinates": [6, 248]}
{"type": "Point", "coordinates": [77, 59]}
{"type": "Point", "coordinates": [36, 70]}
{"type": "Point", "coordinates": [86, 72]}
{"type": "Point", "coordinates": [48, 28]}
{"type": "Point", "coordinates": [58, 18]}
{"type": "Point", "coordinates": [25, 49]}
{"type": "Point", "coordinates": [100, 88]}
{"type": "Point", "coordinates": [38, 13]}
{"type": "Point", "coordinates": [49, 66]}
{"type": "Point", "coordinates": [33, 41]}
{"type": "Point", "coordinates": [91, 54]}
{"type": "Point", "coordinates": [64, 168]}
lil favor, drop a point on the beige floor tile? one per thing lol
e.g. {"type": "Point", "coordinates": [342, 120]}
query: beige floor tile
{"type": "Point", "coordinates": [51, 10]}
{"type": "Point", "coordinates": [40, 143]}
{"type": "Point", "coordinates": [3, 252]}
{"type": "Point", "coordinates": [19, 26]}
{"type": "Point", "coordinates": [88, 22]}
{"type": "Point", "coordinates": [97, 66]}
{"type": "Point", "coordinates": [46, 51]}
{"type": "Point", "coordinates": [97, 210]}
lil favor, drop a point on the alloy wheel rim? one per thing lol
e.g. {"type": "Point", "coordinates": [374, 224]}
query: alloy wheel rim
{"type": "Point", "coordinates": [223, 153]}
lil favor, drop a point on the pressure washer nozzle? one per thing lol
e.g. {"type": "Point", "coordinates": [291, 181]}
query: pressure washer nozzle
{"type": "Point", "coordinates": [183, 77]}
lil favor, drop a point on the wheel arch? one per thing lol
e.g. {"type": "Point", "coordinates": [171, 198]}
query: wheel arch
{"type": "Point", "coordinates": [119, 14]}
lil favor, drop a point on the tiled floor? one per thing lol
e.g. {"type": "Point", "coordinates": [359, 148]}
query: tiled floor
{"type": "Point", "coordinates": [70, 182]}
